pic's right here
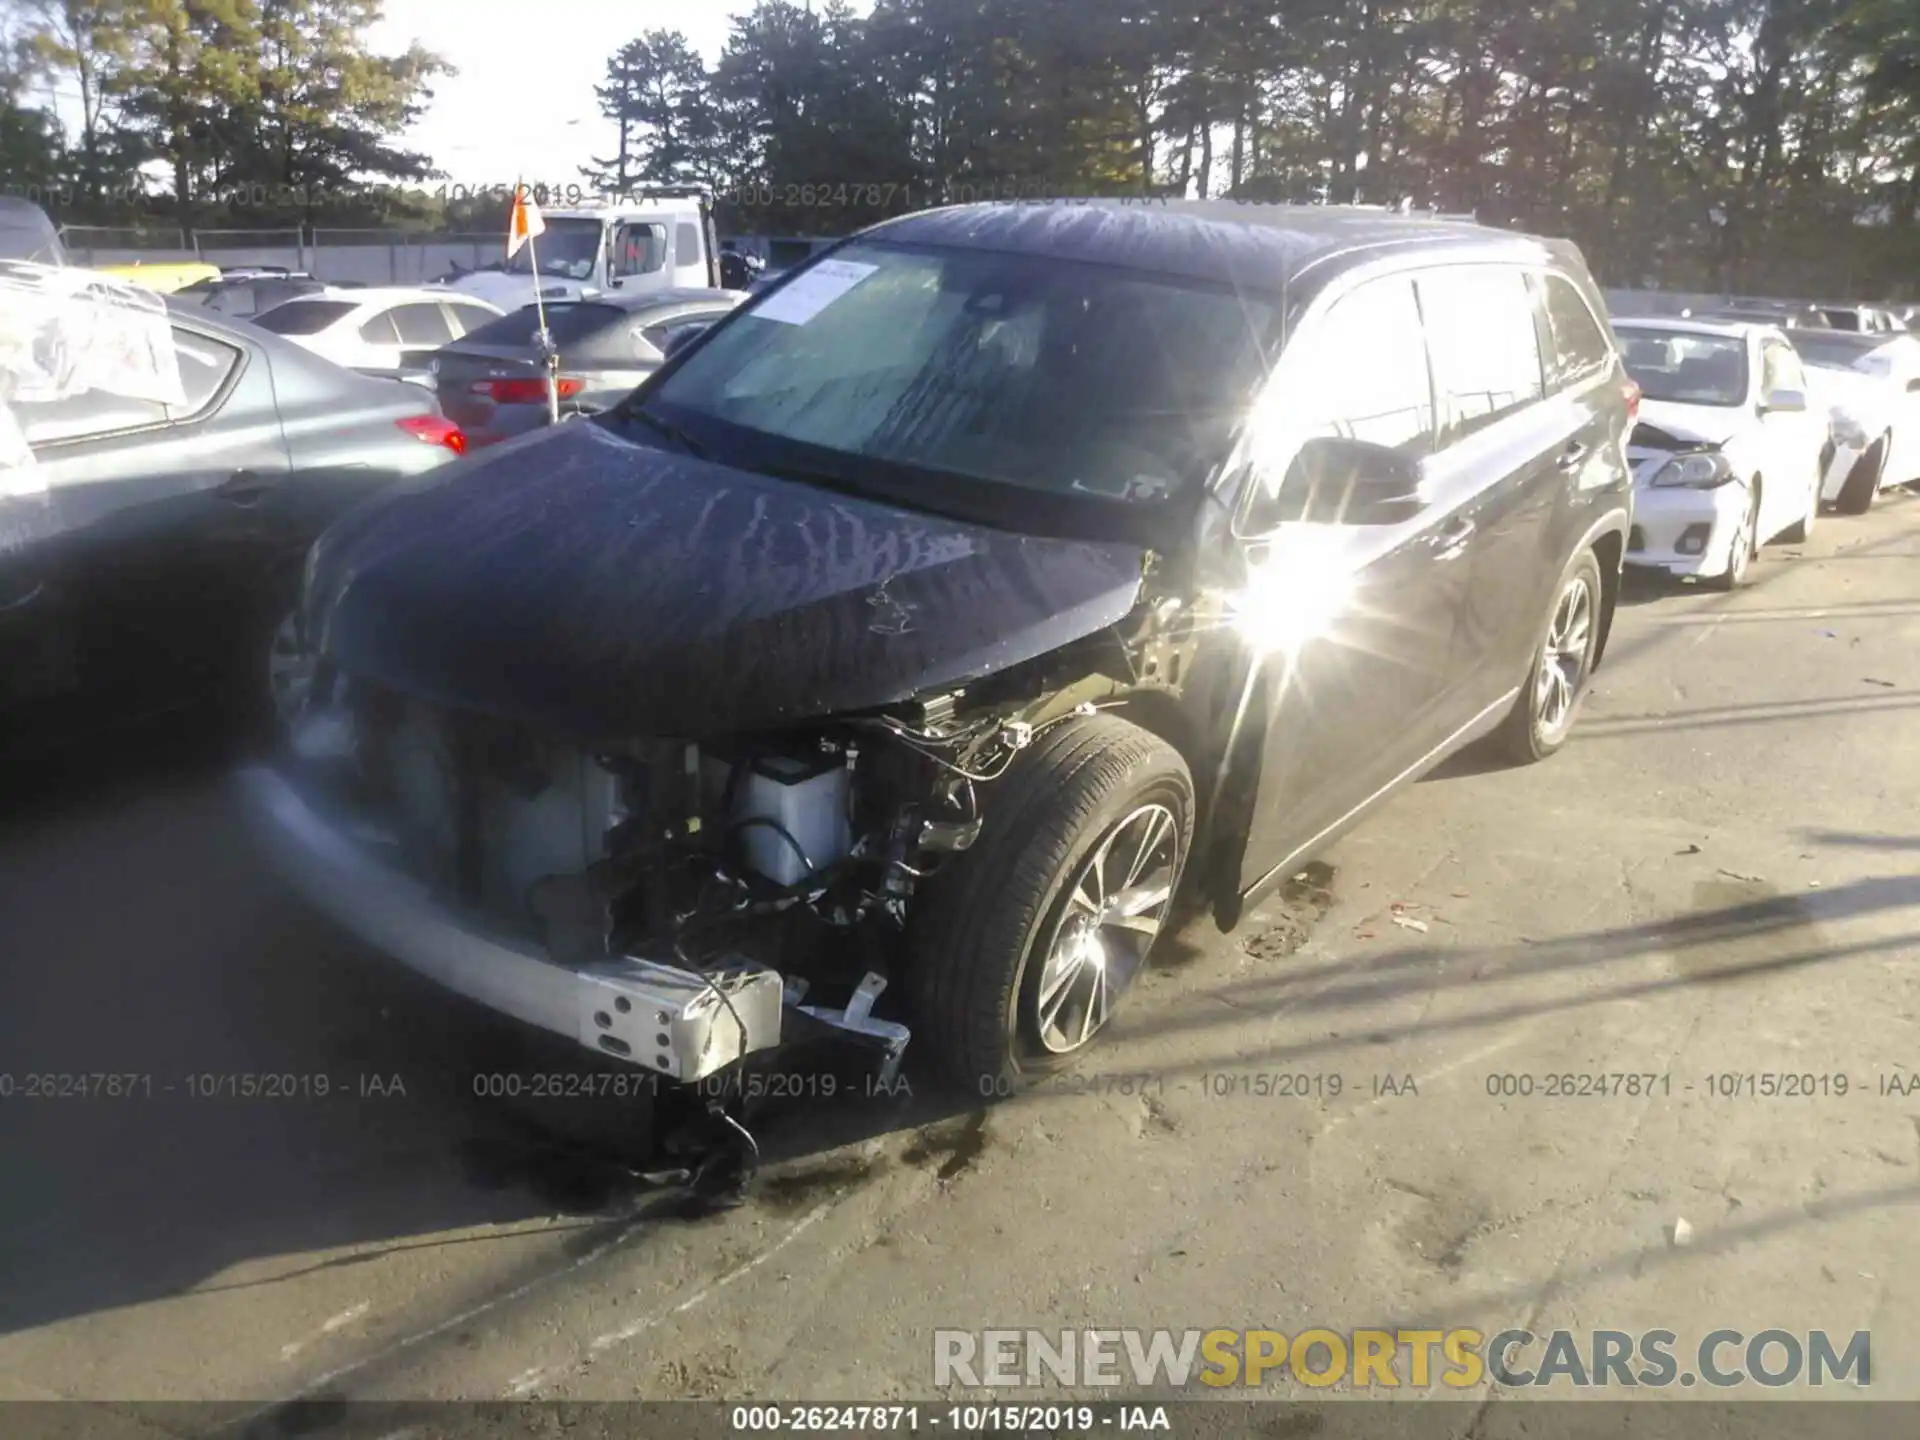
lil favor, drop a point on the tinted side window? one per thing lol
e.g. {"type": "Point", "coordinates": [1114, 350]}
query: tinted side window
{"type": "Point", "coordinates": [1580, 349]}
{"type": "Point", "coordinates": [1368, 379]}
{"type": "Point", "coordinates": [660, 335]}
{"type": "Point", "coordinates": [686, 244]}
{"type": "Point", "coordinates": [205, 365]}
{"type": "Point", "coordinates": [421, 325]}
{"type": "Point", "coordinates": [468, 318]}
{"type": "Point", "coordinates": [380, 330]}
{"type": "Point", "coordinates": [1486, 351]}
{"type": "Point", "coordinates": [304, 317]}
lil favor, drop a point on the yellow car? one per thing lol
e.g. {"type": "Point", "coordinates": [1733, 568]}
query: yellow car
{"type": "Point", "coordinates": [164, 278]}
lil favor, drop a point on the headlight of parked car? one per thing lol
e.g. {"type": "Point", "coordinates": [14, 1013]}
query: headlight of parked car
{"type": "Point", "coordinates": [1847, 429]}
{"type": "Point", "coordinates": [1697, 470]}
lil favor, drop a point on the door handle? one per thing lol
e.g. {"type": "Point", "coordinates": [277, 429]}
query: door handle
{"type": "Point", "coordinates": [245, 487]}
{"type": "Point", "coordinates": [1452, 540]}
{"type": "Point", "coordinates": [1574, 456]}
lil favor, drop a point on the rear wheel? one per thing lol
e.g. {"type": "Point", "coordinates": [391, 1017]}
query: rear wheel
{"type": "Point", "coordinates": [1542, 716]}
{"type": "Point", "coordinates": [1026, 943]}
{"type": "Point", "coordinates": [1863, 481]}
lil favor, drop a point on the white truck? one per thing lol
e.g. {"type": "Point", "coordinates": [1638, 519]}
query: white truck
{"type": "Point", "coordinates": [658, 240]}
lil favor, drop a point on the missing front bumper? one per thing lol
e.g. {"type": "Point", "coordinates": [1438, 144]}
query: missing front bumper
{"type": "Point", "coordinates": [675, 1022]}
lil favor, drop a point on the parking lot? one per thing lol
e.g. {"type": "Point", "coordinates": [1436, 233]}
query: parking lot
{"type": "Point", "coordinates": [1714, 882]}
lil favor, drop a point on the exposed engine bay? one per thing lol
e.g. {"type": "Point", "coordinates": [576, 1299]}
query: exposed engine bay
{"type": "Point", "coordinates": [714, 899]}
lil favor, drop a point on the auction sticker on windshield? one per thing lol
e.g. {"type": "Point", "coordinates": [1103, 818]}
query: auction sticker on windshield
{"type": "Point", "coordinates": [805, 296]}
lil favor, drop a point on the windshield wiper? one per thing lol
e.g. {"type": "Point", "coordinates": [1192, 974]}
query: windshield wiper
{"type": "Point", "coordinates": [667, 428]}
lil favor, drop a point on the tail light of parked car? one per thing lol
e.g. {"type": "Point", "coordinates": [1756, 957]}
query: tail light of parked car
{"type": "Point", "coordinates": [436, 430]}
{"type": "Point", "coordinates": [1631, 390]}
{"type": "Point", "coordinates": [528, 390]}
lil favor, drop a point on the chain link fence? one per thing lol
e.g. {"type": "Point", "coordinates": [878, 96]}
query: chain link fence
{"type": "Point", "coordinates": [343, 255]}
{"type": "Point", "coordinates": [391, 257]}
{"type": "Point", "coordinates": [366, 257]}
{"type": "Point", "coordinates": [286, 247]}
{"type": "Point", "coordinates": [92, 245]}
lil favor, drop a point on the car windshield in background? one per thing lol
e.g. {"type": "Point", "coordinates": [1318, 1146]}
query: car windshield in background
{"type": "Point", "coordinates": [566, 323]}
{"type": "Point", "coordinates": [304, 317]}
{"type": "Point", "coordinates": [1044, 374]}
{"type": "Point", "coordinates": [566, 248]}
{"type": "Point", "coordinates": [1837, 351]}
{"type": "Point", "coordinates": [1685, 368]}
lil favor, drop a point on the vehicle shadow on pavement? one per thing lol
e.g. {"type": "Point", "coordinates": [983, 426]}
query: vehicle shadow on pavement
{"type": "Point", "coordinates": [288, 1104]}
{"type": "Point", "coordinates": [204, 1087]}
{"type": "Point", "coordinates": [1848, 840]}
{"type": "Point", "coordinates": [1741, 930]}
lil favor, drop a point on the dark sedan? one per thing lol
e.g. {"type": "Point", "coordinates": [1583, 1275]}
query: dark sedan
{"type": "Point", "coordinates": [150, 551]}
{"type": "Point", "coordinates": [491, 381]}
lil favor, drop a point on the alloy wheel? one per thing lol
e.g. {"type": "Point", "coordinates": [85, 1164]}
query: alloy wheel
{"type": "Point", "coordinates": [1563, 659]}
{"type": "Point", "coordinates": [1740, 553]}
{"type": "Point", "coordinates": [1115, 908]}
{"type": "Point", "coordinates": [290, 671]}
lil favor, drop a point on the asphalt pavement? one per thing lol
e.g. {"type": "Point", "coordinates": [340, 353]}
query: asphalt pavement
{"type": "Point", "coordinates": [298, 1191]}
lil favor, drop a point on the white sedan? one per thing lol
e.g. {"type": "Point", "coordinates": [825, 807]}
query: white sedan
{"type": "Point", "coordinates": [1728, 451]}
{"type": "Point", "coordinates": [1870, 388]}
{"type": "Point", "coordinates": [370, 329]}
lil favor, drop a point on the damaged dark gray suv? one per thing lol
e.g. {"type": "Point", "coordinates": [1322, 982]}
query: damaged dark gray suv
{"type": "Point", "coordinates": [942, 614]}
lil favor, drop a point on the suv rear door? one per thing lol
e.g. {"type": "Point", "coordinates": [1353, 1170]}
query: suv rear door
{"type": "Point", "coordinates": [1516, 452]}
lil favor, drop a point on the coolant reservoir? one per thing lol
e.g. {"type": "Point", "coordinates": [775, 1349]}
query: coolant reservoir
{"type": "Point", "coordinates": [786, 809]}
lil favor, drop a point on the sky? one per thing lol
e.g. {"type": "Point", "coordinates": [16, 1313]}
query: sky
{"type": "Point", "coordinates": [522, 106]}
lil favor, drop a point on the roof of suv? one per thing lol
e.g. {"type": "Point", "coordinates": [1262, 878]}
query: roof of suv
{"type": "Point", "coordinates": [1224, 241]}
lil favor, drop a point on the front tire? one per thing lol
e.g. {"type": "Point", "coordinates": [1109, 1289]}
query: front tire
{"type": "Point", "coordinates": [1542, 716]}
{"type": "Point", "coordinates": [1744, 546]}
{"type": "Point", "coordinates": [1025, 944]}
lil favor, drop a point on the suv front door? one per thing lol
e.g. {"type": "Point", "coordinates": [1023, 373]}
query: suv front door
{"type": "Point", "coordinates": [1352, 626]}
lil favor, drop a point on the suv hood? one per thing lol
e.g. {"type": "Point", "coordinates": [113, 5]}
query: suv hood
{"type": "Point", "coordinates": [592, 587]}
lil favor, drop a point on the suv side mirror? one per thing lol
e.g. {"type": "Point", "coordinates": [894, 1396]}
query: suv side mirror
{"type": "Point", "coordinates": [1337, 481]}
{"type": "Point", "coordinates": [1784, 402]}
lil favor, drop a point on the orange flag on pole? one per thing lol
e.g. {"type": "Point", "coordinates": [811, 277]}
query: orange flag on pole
{"type": "Point", "coordinates": [524, 223]}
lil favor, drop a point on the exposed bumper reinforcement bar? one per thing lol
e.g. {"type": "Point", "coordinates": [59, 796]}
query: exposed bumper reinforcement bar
{"type": "Point", "coordinates": [662, 1018]}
